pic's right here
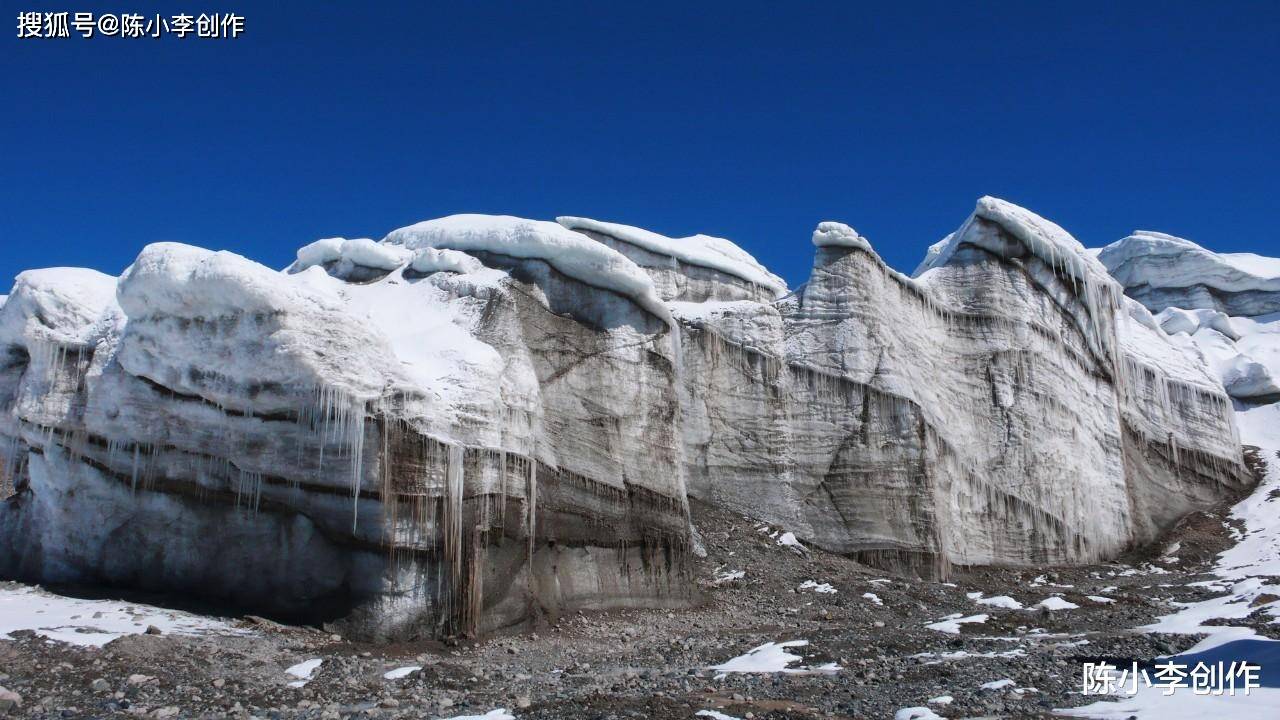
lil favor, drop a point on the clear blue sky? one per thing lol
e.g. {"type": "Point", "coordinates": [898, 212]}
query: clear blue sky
{"type": "Point", "coordinates": [747, 120]}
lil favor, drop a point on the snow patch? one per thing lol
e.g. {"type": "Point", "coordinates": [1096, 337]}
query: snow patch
{"type": "Point", "coordinates": [951, 623]}
{"type": "Point", "coordinates": [788, 540]}
{"type": "Point", "coordinates": [916, 713]}
{"type": "Point", "coordinates": [714, 715]}
{"type": "Point", "coordinates": [401, 672]}
{"type": "Point", "coordinates": [94, 622]}
{"type": "Point", "coordinates": [729, 576]}
{"type": "Point", "coordinates": [1000, 601]}
{"type": "Point", "coordinates": [1056, 603]}
{"type": "Point", "coordinates": [303, 671]}
{"type": "Point", "coordinates": [499, 714]}
{"type": "Point", "coordinates": [773, 658]}
{"type": "Point", "coordinates": [818, 587]}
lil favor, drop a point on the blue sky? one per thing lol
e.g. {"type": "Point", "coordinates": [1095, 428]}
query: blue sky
{"type": "Point", "coordinates": [751, 121]}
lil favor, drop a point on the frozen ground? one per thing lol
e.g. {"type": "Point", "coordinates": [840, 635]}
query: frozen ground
{"type": "Point", "coordinates": [765, 644]}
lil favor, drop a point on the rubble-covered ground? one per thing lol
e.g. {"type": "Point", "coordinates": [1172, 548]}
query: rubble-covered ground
{"type": "Point", "coordinates": [992, 642]}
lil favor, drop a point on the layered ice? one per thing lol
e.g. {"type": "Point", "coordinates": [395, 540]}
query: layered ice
{"type": "Point", "coordinates": [700, 250]}
{"type": "Point", "coordinates": [1165, 271]}
{"type": "Point", "coordinates": [480, 418]}
{"type": "Point", "coordinates": [410, 451]}
{"type": "Point", "coordinates": [571, 253]}
{"type": "Point", "coordinates": [1225, 306]}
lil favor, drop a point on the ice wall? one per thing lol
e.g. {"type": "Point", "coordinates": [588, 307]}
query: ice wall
{"type": "Point", "coordinates": [406, 450]}
{"type": "Point", "coordinates": [480, 419]}
{"type": "Point", "coordinates": [1224, 307]}
{"type": "Point", "coordinates": [1003, 407]}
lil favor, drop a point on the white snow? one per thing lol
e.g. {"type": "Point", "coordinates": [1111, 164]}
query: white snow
{"type": "Point", "coordinates": [401, 672]}
{"type": "Point", "coordinates": [57, 306]}
{"type": "Point", "coordinates": [997, 684]}
{"type": "Point", "coordinates": [1243, 375]}
{"type": "Point", "coordinates": [573, 254]}
{"type": "Point", "coordinates": [1257, 550]}
{"type": "Point", "coordinates": [788, 540]}
{"type": "Point", "coordinates": [773, 658]}
{"type": "Point", "coordinates": [429, 260]}
{"type": "Point", "coordinates": [875, 599]}
{"type": "Point", "coordinates": [1236, 604]}
{"type": "Point", "coordinates": [303, 671]}
{"type": "Point", "coordinates": [714, 715]}
{"type": "Point", "coordinates": [1054, 602]}
{"type": "Point", "coordinates": [1167, 261]}
{"type": "Point", "coordinates": [818, 587]}
{"type": "Point", "coordinates": [1260, 340]}
{"type": "Point", "coordinates": [916, 713]}
{"type": "Point", "coordinates": [1175, 320]}
{"type": "Point", "coordinates": [729, 576]}
{"type": "Point", "coordinates": [1153, 704]}
{"type": "Point", "coordinates": [366, 252]}
{"type": "Point", "coordinates": [320, 252]}
{"type": "Point", "coordinates": [1000, 601]}
{"type": "Point", "coordinates": [363, 252]}
{"type": "Point", "coordinates": [951, 623]}
{"type": "Point", "coordinates": [931, 256]}
{"type": "Point", "coordinates": [1100, 599]}
{"type": "Point", "coordinates": [941, 700]}
{"type": "Point", "coordinates": [83, 622]}
{"type": "Point", "coordinates": [965, 654]}
{"type": "Point", "coordinates": [430, 337]}
{"type": "Point", "coordinates": [836, 234]}
{"type": "Point", "coordinates": [499, 714]}
{"type": "Point", "coordinates": [702, 250]}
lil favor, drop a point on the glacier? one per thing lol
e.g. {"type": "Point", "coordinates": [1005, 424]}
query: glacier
{"type": "Point", "coordinates": [483, 419]}
{"type": "Point", "coordinates": [1223, 306]}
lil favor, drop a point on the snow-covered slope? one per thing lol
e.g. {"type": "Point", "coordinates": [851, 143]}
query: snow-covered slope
{"type": "Point", "coordinates": [481, 418]}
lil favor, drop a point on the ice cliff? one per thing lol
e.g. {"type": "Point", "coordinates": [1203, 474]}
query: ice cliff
{"type": "Point", "coordinates": [1222, 306]}
{"type": "Point", "coordinates": [483, 418]}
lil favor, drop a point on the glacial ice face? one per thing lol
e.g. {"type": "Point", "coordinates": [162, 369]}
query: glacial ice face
{"type": "Point", "coordinates": [1008, 406]}
{"type": "Point", "coordinates": [482, 418]}
{"type": "Point", "coordinates": [1163, 271]}
{"type": "Point", "coordinates": [1224, 306]}
{"type": "Point", "coordinates": [413, 452]}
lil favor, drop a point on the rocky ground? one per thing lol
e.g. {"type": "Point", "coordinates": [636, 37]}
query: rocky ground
{"type": "Point", "coordinates": [655, 665]}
